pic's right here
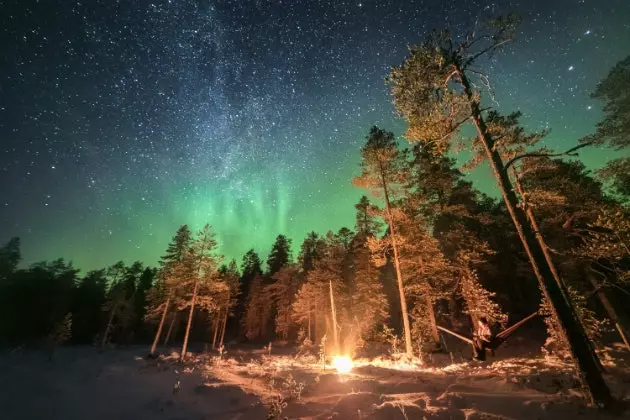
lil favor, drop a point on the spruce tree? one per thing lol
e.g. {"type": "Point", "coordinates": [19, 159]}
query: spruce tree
{"type": "Point", "coordinates": [279, 256]}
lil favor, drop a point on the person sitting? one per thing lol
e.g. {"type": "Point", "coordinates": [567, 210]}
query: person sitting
{"type": "Point", "coordinates": [481, 339]}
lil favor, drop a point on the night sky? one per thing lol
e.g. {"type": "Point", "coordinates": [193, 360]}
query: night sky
{"type": "Point", "coordinates": [121, 120]}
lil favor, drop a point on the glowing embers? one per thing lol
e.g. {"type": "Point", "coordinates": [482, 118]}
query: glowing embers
{"type": "Point", "coordinates": [343, 364]}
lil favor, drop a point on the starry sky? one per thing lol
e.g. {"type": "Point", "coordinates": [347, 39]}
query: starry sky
{"type": "Point", "coordinates": [121, 120]}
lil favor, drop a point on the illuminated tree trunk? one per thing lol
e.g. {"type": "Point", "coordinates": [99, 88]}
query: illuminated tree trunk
{"type": "Point", "coordinates": [334, 317]}
{"type": "Point", "coordinates": [190, 317]}
{"type": "Point", "coordinates": [309, 324]}
{"type": "Point", "coordinates": [429, 303]}
{"type": "Point", "coordinates": [109, 325]}
{"type": "Point", "coordinates": [159, 330]}
{"type": "Point", "coordinates": [170, 329]}
{"type": "Point", "coordinates": [401, 291]}
{"type": "Point", "coordinates": [581, 349]}
{"type": "Point", "coordinates": [216, 329]}
{"type": "Point", "coordinates": [225, 317]}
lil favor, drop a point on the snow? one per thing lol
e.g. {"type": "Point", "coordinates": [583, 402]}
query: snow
{"type": "Point", "coordinates": [247, 384]}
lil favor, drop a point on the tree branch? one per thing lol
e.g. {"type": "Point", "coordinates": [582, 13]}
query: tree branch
{"type": "Point", "coordinates": [538, 154]}
{"type": "Point", "coordinates": [484, 51]}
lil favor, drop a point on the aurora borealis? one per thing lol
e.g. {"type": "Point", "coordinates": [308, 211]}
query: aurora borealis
{"type": "Point", "coordinates": [121, 120]}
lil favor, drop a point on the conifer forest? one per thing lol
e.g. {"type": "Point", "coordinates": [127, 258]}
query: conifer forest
{"type": "Point", "coordinates": [343, 210]}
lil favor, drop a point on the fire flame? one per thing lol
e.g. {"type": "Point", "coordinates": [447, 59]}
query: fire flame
{"type": "Point", "coordinates": [343, 364]}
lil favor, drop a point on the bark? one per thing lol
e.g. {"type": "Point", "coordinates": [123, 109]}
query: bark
{"type": "Point", "coordinates": [587, 365]}
{"type": "Point", "coordinates": [170, 329]}
{"type": "Point", "coordinates": [190, 317]}
{"type": "Point", "coordinates": [401, 291]}
{"type": "Point", "coordinates": [159, 330]}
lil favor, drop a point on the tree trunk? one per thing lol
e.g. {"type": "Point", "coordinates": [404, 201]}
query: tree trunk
{"type": "Point", "coordinates": [429, 303]}
{"type": "Point", "coordinates": [597, 391]}
{"type": "Point", "coordinates": [610, 310]}
{"type": "Point", "coordinates": [225, 317]}
{"type": "Point", "coordinates": [216, 330]}
{"type": "Point", "coordinates": [109, 326]}
{"type": "Point", "coordinates": [309, 324]}
{"type": "Point", "coordinates": [334, 317]}
{"type": "Point", "coordinates": [190, 317]}
{"type": "Point", "coordinates": [401, 290]}
{"type": "Point", "coordinates": [170, 328]}
{"type": "Point", "coordinates": [159, 330]}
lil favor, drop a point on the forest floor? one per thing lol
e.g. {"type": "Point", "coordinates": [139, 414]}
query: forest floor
{"type": "Point", "coordinates": [247, 383]}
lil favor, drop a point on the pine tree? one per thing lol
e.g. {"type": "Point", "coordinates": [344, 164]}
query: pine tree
{"type": "Point", "coordinates": [227, 289]}
{"type": "Point", "coordinates": [366, 223]}
{"type": "Point", "coordinates": [166, 290]}
{"type": "Point", "coordinates": [369, 304]}
{"type": "Point", "coordinates": [280, 295]}
{"type": "Point", "coordinates": [310, 250]}
{"type": "Point", "coordinates": [203, 265]}
{"type": "Point", "coordinates": [251, 267]}
{"type": "Point", "coordinates": [257, 311]}
{"type": "Point", "coordinates": [312, 303]}
{"type": "Point", "coordinates": [380, 175]}
{"type": "Point", "coordinates": [432, 89]}
{"type": "Point", "coordinates": [116, 300]}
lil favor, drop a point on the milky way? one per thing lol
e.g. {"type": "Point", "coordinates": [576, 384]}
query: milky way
{"type": "Point", "coordinates": [121, 120]}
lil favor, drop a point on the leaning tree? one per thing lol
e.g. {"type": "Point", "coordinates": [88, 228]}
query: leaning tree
{"type": "Point", "coordinates": [436, 89]}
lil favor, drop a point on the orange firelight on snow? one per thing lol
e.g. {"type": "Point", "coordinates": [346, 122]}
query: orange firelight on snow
{"type": "Point", "coordinates": [343, 364]}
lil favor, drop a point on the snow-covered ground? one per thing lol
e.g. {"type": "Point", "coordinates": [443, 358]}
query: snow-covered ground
{"type": "Point", "coordinates": [82, 383]}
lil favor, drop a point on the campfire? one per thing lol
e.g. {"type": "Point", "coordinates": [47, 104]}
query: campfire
{"type": "Point", "coordinates": [343, 364]}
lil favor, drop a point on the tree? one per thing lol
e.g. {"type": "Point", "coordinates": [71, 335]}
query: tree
{"type": "Point", "coordinates": [226, 298]}
{"type": "Point", "coordinates": [310, 250]}
{"type": "Point", "coordinates": [165, 291]}
{"type": "Point", "coordinates": [251, 267]}
{"type": "Point", "coordinates": [312, 305]}
{"type": "Point", "coordinates": [9, 258]}
{"type": "Point", "coordinates": [279, 256]}
{"type": "Point", "coordinates": [432, 89]}
{"type": "Point", "coordinates": [257, 311]}
{"type": "Point", "coordinates": [367, 224]}
{"type": "Point", "coordinates": [203, 263]}
{"type": "Point", "coordinates": [116, 298]}
{"type": "Point", "coordinates": [280, 295]}
{"type": "Point", "coordinates": [614, 129]}
{"type": "Point", "coordinates": [379, 174]}
{"type": "Point", "coordinates": [369, 305]}
{"type": "Point", "coordinates": [89, 297]}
